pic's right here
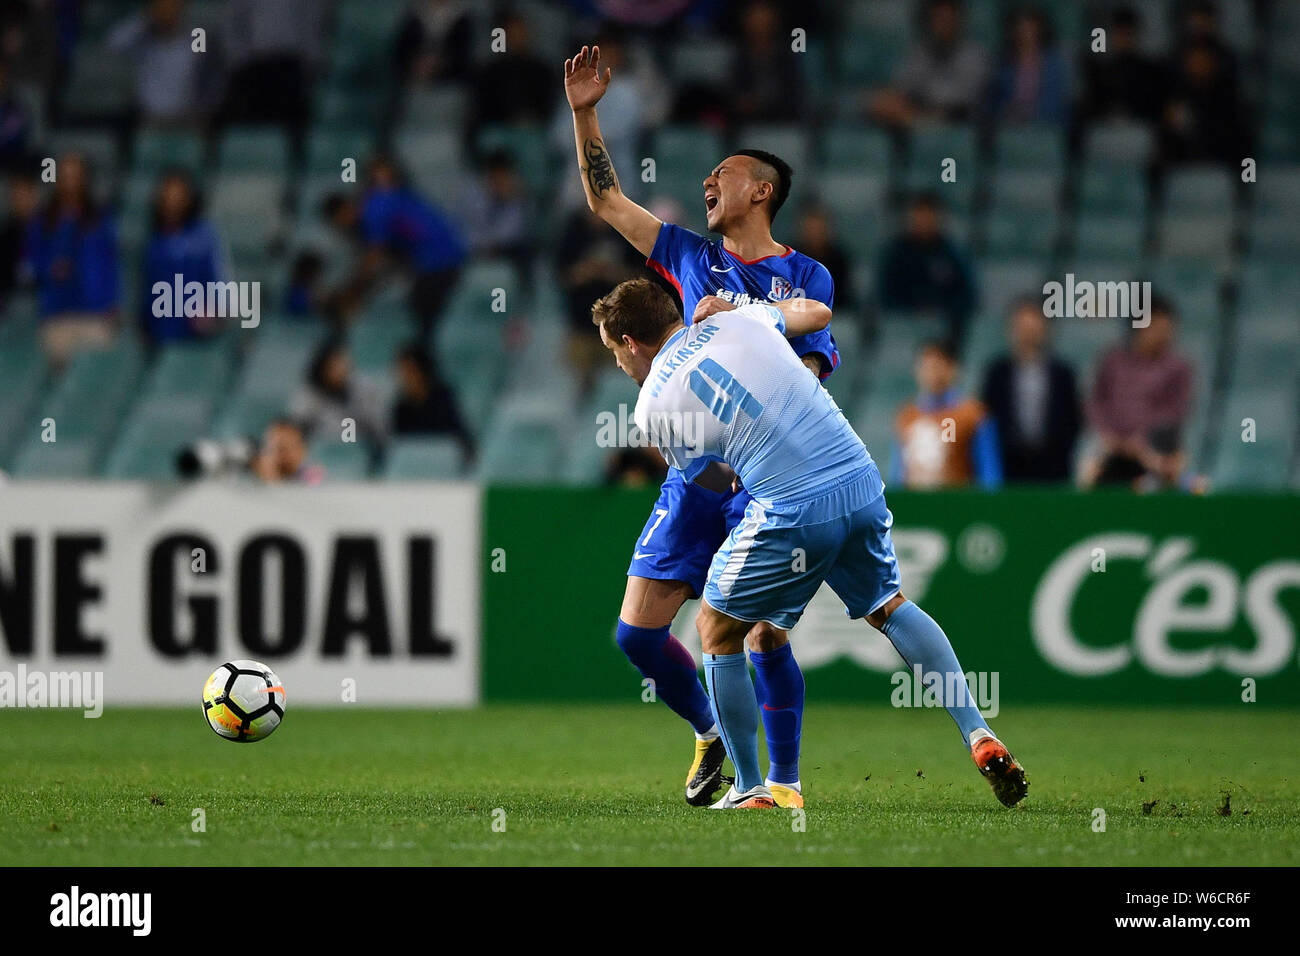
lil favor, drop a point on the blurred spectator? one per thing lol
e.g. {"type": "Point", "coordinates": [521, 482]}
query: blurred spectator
{"type": "Point", "coordinates": [15, 270]}
{"type": "Point", "coordinates": [593, 259]}
{"type": "Point", "coordinates": [35, 41]}
{"type": "Point", "coordinates": [1139, 406]}
{"type": "Point", "coordinates": [635, 467]}
{"type": "Point", "coordinates": [1123, 83]}
{"type": "Point", "coordinates": [923, 271]}
{"type": "Point", "coordinates": [1199, 20]}
{"type": "Point", "coordinates": [302, 296]}
{"type": "Point", "coordinates": [283, 455]}
{"type": "Point", "coordinates": [15, 127]}
{"type": "Point", "coordinates": [170, 83]}
{"type": "Point", "coordinates": [1031, 84]}
{"type": "Point", "coordinates": [394, 221]}
{"type": "Point", "coordinates": [515, 86]}
{"type": "Point", "coordinates": [426, 404]}
{"type": "Point", "coordinates": [1205, 116]}
{"type": "Point", "coordinates": [943, 76]}
{"type": "Point", "coordinates": [816, 238]}
{"type": "Point", "coordinates": [433, 42]}
{"type": "Point", "coordinates": [1032, 395]}
{"type": "Point", "coordinates": [273, 48]}
{"type": "Point", "coordinates": [332, 393]}
{"type": "Point", "coordinates": [767, 84]}
{"type": "Point", "coordinates": [943, 439]}
{"type": "Point", "coordinates": [72, 248]}
{"type": "Point", "coordinates": [181, 242]}
{"type": "Point", "coordinates": [496, 212]}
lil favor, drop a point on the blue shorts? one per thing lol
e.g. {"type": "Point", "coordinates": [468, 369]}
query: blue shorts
{"type": "Point", "coordinates": [774, 561]}
{"type": "Point", "coordinates": [684, 531]}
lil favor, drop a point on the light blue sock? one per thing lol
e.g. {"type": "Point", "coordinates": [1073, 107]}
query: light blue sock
{"type": "Point", "coordinates": [735, 708]}
{"type": "Point", "coordinates": [922, 643]}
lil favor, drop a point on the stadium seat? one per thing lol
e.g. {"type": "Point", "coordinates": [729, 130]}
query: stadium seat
{"type": "Point", "coordinates": [1017, 233]}
{"type": "Point", "coordinates": [686, 147]}
{"type": "Point", "coordinates": [1200, 238]}
{"type": "Point", "coordinates": [342, 461]}
{"type": "Point", "coordinates": [701, 60]}
{"type": "Point", "coordinates": [101, 85]}
{"type": "Point", "coordinates": [1199, 191]}
{"type": "Point", "coordinates": [256, 149]}
{"type": "Point", "coordinates": [1108, 236]}
{"type": "Point", "coordinates": [523, 444]}
{"type": "Point", "coordinates": [851, 148]}
{"type": "Point", "coordinates": [787, 141]}
{"type": "Point", "coordinates": [930, 144]}
{"type": "Point", "coordinates": [1265, 462]}
{"type": "Point", "coordinates": [23, 371]}
{"type": "Point", "coordinates": [530, 149]}
{"type": "Point", "coordinates": [424, 459]}
{"type": "Point", "coordinates": [157, 150]}
{"type": "Point", "coordinates": [66, 458]}
{"type": "Point", "coordinates": [1028, 189]}
{"type": "Point", "coordinates": [1033, 148]}
{"type": "Point", "coordinates": [1110, 189]}
{"type": "Point", "coordinates": [1119, 143]}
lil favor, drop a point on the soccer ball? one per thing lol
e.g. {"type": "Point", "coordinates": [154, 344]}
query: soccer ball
{"type": "Point", "coordinates": [243, 701]}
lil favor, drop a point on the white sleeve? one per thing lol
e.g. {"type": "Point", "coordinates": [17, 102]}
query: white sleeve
{"type": "Point", "coordinates": [761, 312]}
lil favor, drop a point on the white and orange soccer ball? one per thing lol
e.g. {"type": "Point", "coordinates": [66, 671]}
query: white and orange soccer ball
{"type": "Point", "coordinates": [243, 701]}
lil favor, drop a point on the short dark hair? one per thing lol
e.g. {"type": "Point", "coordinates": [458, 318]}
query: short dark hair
{"type": "Point", "coordinates": [1163, 305]}
{"type": "Point", "coordinates": [637, 308]}
{"type": "Point", "coordinates": [418, 355]}
{"type": "Point", "coordinates": [783, 176]}
{"type": "Point", "coordinates": [332, 204]}
{"type": "Point", "coordinates": [944, 346]}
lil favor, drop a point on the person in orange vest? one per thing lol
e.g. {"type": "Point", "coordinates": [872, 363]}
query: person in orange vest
{"type": "Point", "coordinates": [943, 439]}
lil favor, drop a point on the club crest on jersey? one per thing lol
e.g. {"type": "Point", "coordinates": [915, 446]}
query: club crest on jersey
{"type": "Point", "coordinates": [781, 289]}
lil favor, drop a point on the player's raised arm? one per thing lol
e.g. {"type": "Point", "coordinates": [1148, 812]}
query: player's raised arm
{"type": "Point", "coordinates": [584, 86]}
{"type": "Point", "coordinates": [803, 316]}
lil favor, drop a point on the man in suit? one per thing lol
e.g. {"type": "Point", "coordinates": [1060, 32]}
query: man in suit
{"type": "Point", "coordinates": [1033, 396]}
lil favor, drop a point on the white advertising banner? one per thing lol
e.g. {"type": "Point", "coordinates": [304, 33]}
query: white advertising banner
{"type": "Point", "coordinates": [351, 593]}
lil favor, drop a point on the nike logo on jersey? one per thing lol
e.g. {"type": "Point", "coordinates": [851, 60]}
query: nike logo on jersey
{"type": "Point", "coordinates": [642, 554]}
{"type": "Point", "coordinates": [716, 269]}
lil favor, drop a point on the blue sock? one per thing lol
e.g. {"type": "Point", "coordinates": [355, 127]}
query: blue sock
{"type": "Point", "coordinates": [662, 658]}
{"type": "Point", "coordinates": [779, 684]}
{"type": "Point", "coordinates": [922, 643]}
{"type": "Point", "coordinates": [736, 709]}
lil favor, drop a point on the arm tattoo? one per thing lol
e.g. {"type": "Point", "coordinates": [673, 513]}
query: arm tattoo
{"type": "Point", "coordinates": [600, 169]}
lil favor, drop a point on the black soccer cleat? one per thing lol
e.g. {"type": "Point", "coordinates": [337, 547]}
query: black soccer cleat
{"type": "Point", "coordinates": [705, 776]}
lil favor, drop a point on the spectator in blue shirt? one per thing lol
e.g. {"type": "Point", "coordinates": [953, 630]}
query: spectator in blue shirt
{"type": "Point", "coordinates": [394, 222]}
{"type": "Point", "coordinates": [72, 250]}
{"type": "Point", "coordinates": [181, 242]}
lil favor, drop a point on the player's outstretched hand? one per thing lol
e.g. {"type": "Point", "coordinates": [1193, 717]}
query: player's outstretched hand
{"type": "Point", "coordinates": [583, 84]}
{"type": "Point", "coordinates": [710, 304]}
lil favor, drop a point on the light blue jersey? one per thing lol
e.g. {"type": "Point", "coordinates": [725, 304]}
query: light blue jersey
{"type": "Point", "coordinates": [728, 389]}
{"type": "Point", "coordinates": [724, 390]}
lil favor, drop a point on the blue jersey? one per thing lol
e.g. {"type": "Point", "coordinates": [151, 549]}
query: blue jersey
{"type": "Point", "coordinates": [725, 390]}
{"type": "Point", "coordinates": [698, 267]}
{"type": "Point", "coordinates": [408, 225]}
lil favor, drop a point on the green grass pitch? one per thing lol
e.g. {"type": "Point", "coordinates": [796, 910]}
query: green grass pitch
{"type": "Point", "coordinates": [591, 784]}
